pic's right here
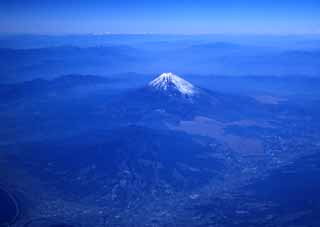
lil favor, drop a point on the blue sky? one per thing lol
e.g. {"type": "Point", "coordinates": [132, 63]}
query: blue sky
{"type": "Point", "coordinates": [168, 17]}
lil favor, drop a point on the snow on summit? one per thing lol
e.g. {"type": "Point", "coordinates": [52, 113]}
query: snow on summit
{"type": "Point", "coordinates": [168, 81]}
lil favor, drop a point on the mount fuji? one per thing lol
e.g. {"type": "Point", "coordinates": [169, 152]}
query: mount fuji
{"type": "Point", "coordinates": [169, 95]}
{"type": "Point", "coordinates": [173, 85]}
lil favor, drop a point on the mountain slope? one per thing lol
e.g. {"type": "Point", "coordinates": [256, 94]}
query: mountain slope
{"type": "Point", "coordinates": [170, 96]}
{"type": "Point", "coordinates": [173, 84]}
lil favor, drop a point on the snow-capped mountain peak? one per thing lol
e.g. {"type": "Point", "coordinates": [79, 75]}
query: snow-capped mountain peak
{"type": "Point", "coordinates": [169, 80]}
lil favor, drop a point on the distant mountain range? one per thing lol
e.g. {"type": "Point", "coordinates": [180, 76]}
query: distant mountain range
{"type": "Point", "coordinates": [219, 58]}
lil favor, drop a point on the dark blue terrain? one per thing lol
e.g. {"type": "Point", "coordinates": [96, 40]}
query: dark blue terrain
{"type": "Point", "coordinates": [89, 137]}
{"type": "Point", "coordinates": [8, 209]}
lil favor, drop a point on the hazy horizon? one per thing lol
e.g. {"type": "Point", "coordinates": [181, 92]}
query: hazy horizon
{"type": "Point", "coordinates": [165, 17]}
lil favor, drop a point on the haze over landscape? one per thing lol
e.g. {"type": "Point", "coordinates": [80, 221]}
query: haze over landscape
{"type": "Point", "coordinates": [164, 17]}
{"type": "Point", "coordinates": [159, 113]}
